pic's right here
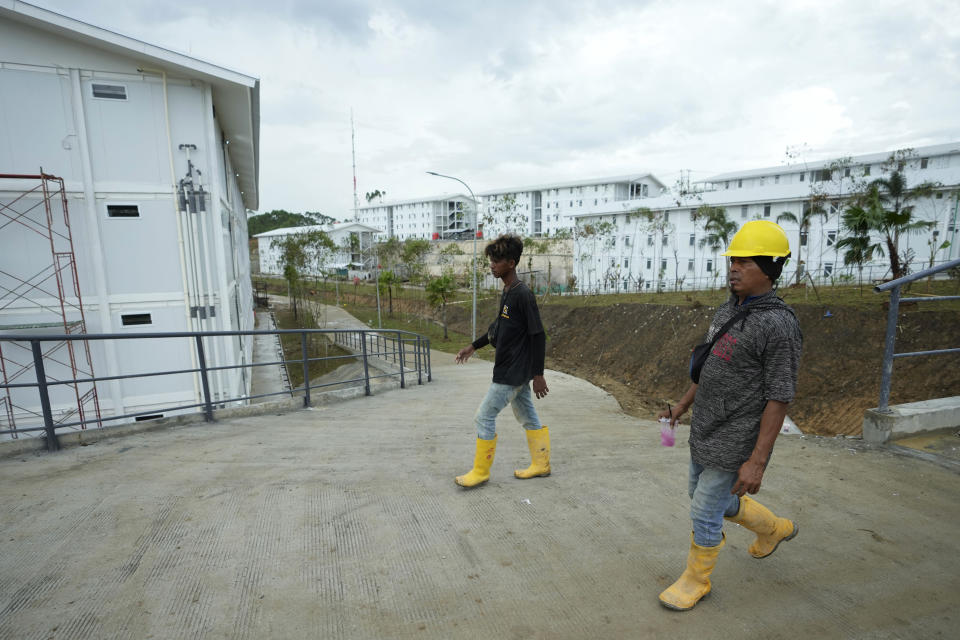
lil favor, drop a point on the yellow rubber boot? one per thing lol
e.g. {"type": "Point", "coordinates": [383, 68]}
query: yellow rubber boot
{"type": "Point", "coordinates": [539, 442]}
{"type": "Point", "coordinates": [694, 583]}
{"type": "Point", "coordinates": [482, 461]}
{"type": "Point", "coordinates": [770, 529]}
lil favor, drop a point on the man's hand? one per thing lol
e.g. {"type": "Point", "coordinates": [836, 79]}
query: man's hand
{"type": "Point", "coordinates": [464, 354]}
{"type": "Point", "coordinates": [540, 387]}
{"type": "Point", "coordinates": [749, 477]}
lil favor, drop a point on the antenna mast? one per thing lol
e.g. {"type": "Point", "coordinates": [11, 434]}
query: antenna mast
{"type": "Point", "coordinates": [353, 148]}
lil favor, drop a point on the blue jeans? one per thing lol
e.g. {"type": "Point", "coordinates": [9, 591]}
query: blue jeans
{"type": "Point", "coordinates": [499, 396]}
{"type": "Point", "coordinates": [710, 501]}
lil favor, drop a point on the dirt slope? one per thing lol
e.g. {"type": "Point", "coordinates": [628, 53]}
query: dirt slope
{"type": "Point", "coordinates": [639, 353]}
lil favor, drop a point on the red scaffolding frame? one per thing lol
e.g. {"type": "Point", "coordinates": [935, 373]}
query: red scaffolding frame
{"type": "Point", "coordinates": [38, 203]}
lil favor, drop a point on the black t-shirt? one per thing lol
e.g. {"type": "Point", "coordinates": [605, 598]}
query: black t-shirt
{"type": "Point", "coordinates": [518, 322]}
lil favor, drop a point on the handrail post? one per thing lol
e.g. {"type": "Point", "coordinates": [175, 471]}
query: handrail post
{"type": "Point", "coordinates": [306, 369]}
{"type": "Point", "coordinates": [889, 341]}
{"type": "Point", "coordinates": [366, 370]}
{"type": "Point", "coordinates": [419, 371]}
{"type": "Point", "coordinates": [403, 384]}
{"type": "Point", "coordinates": [201, 358]}
{"type": "Point", "coordinates": [52, 443]}
{"type": "Point", "coordinates": [429, 363]}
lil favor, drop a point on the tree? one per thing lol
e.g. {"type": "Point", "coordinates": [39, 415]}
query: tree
{"type": "Point", "coordinates": [815, 207]}
{"type": "Point", "coordinates": [412, 253]}
{"type": "Point", "coordinates": [279, 219]}
{"type": "Point", "coordinates": [719, 231]}
{"type": "Point", "coordinates": [439, 292]}
{"type": "Point", "coordinates": [294, 259]}
{"type": "Point", "coordinates": [858, 220]}
{"type": "Point", "coordinates": [505, 211]}
{"type": "Point", "coordinates": [896, 199]}
{"type": "Point", "coordinates": [389, 280]}
{"type": "Point", "coordinates": [376, 193]}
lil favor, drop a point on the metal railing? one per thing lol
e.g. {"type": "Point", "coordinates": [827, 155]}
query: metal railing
{"type": "Point", "coordinates": [406, 352]}
{"type": "Point", "coordinates": [892, 315]}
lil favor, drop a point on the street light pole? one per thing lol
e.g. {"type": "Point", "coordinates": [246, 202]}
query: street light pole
{"type": "Point", "coordinates": [476, 230]}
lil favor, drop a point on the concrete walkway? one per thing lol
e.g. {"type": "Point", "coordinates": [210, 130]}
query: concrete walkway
{"type": "Point", "coordinates": [343, 521]}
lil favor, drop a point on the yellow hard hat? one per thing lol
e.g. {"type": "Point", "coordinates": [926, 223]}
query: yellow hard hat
{"type": "Point", "coordinates": [759, 238]}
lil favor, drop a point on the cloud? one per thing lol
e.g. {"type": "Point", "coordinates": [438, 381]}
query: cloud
{"type": "Point", "coordinates": [504, 93]}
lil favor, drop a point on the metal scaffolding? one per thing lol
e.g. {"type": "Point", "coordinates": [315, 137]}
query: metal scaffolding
{"type": "Point", "coordinates": [37, 293]}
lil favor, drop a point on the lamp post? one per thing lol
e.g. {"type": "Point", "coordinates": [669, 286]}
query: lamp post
{"type": "Point", "coordinates": [476, 230]}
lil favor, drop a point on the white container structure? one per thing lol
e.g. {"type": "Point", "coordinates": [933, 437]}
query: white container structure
{"type": "Point", "coordinates": [159, 155]}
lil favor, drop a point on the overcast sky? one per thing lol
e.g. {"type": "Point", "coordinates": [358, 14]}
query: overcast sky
{"type": "Point", "coordinates": [504, 93]}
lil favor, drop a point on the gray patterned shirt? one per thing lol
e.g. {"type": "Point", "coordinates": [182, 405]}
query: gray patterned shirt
{"type": "Point", "coordinates": [755, 361]}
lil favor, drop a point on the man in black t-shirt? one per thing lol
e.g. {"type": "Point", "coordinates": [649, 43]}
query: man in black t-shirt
{"type": "Point", "coordinates": [517, 335]}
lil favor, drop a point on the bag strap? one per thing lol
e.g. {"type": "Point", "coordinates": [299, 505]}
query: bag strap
{"type": "Point", "coordinates": [729, 323]}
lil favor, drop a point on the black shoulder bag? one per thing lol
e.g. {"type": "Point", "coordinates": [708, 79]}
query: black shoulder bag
{"type": "Point", "coordinates": [702, 351]}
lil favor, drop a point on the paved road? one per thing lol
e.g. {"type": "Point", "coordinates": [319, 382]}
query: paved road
{"type": "Point", "coordinates": [343, 521]}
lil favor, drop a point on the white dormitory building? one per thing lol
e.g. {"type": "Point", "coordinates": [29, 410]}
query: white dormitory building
{"type": "Point", "coordinates": [353, 256]}
{"type": "Point", "coordinates": [533, 211]}
{"type": "Point", "coordinates": [543, 210]}
{"type": "Point", "coordinates": [626, 251]}
{"type": "Point", "coordinates": [443, 217]}
{"type": "Point", "coordinates": [159, 156]}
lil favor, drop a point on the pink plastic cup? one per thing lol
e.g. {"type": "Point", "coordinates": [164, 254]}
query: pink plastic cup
{"type": "Point", "coordinates": [668, 434]}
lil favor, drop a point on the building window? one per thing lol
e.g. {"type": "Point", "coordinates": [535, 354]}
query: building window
{"type": "Point", "coordinates": [663, 265]}
{"type": "Point", "coordinates": [666, 239]}
{"type": "Point", "coordinates": [613, 263]}
{"type": "Point", "coordinates": [693, 215]}
{"type": "Point", "coordinates": [649, 240]}
{"type": "Point", "coordinates": [866, 169]}
{"type": "Point", "coordinates": [109, 91]}
{"type": "Point", "coordinates": [803, 238]}
{"type": "Point", "coordinates": [802, 176]}
{"type": "Point", "coordinates": [648, 285]}
{"type": "Point", "coordinates": [571, 203]}
{"type": "Point", "coordinates": [709, 266]}
{"type": "Point", "coordinates": [649, 263]}
{"type": "Point", "coordinates": [666, 216]}
{"type": "Point", "coordinates": [940, 195]}
{"type": "Point", "coordinates": [594, 201]}
{"type": "Point", "coordinates": [739, 183]}
{"type": "Point", "coordinates": [693, 238]}
{"type": "Point", "coordinates": [776, 179]}
{"type": "Point", "coordinates": [131, 319]}
{"type": "Point", "coordinates": [827, 269]}
{"type": "Point", "coordinates": [846, 172]}
{"type": "Point", "coordinates": [766, 210]}
{"type": "Point", "coordinates": [626, 241]}
{"type": "Point", "coordinates": [626, 263]}
{"type": "Point", "coordinates": [579, 203]}
{"type": "Point", "coordinates": [923, 162]}
{"type": "Point", "coordinates": [690, 264]}
{"type": "Point", "coordinates": [831, 238]}
{"type": "Point", "coordinates": [595, 187]}
{"type": "Point", "coordinates": [743, 211]}
{"type": "Point", "coordinates": [726, 185]}
{"type": "Point", "coordinates": [123, 211]}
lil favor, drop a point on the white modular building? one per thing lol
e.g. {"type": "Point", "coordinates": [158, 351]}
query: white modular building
{"type": "Point", "coordinates": [544, 210]}
{"type": "Point", "coordinates": [660, 243]}
{"type": "Point", "coordinates": [158, 156]}
{"type": "Point", "coordinates": [353, 256]}
{"type": "Point", "coordinates": [446, 217]}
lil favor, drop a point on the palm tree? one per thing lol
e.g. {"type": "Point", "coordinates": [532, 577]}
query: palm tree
{"type": "Point", "coordinates": [719, 230]}
{"type": "Point", "coordinates": [811, 209]}
{"type": "Point", "coordinates": [859, 220]}
{"type": "Point", "coordinates": [894, 197]}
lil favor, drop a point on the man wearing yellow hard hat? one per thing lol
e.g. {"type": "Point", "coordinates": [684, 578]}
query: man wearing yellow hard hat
{"type": "Point", "coordinates": [744, 376]}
